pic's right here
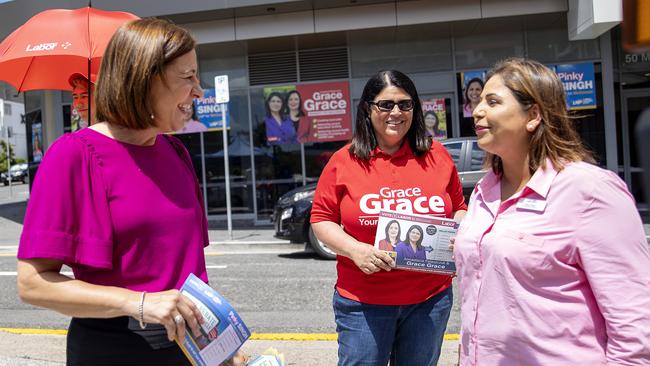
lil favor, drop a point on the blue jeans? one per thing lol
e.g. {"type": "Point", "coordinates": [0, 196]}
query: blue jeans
{"type": "Point", "coordinates": [407, 335]}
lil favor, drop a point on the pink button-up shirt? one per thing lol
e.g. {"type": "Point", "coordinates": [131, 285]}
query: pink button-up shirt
{"type": "Point", "coordinates": [558, 274]}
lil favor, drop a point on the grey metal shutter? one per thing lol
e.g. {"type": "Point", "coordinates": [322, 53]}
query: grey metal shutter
{"type": "Point", "coordinates": [272, 68]}
{"type": "Point", "coordinates": [323, 64]}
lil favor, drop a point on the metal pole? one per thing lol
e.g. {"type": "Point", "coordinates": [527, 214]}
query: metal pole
{"type": "Point", "coordinates": [203, 179]}
{"type": "Point", "coordinates": [226, 168]}
{"type": "Point", "coordinates": [2, 126]}
{"type": "Point", "coordinates": [11, 188]}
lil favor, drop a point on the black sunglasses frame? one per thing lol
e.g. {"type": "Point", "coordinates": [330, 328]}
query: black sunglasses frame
{"type": "Point", "coordinates": [402, 105]}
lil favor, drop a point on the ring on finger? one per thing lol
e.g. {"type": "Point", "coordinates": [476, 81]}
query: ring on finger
{"type": "Point", "coordinates": [178, 319]}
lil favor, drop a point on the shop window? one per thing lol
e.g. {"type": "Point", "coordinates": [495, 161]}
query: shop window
{"type": "Point", "coordinates": [316, 157]}
{"type": "Point", "coordinates": [553, 45]}
{"type": "Point", "coordinates": [409, 49]}
{"type": "Point", "coordinates": [222, 59]}
{"type": "Point", "coordinates": [278, 166]}
{"type": "Point", "coordinates": [479, 44]}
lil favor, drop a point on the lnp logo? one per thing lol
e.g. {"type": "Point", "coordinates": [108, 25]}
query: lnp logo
{"type": "Point", "coordinates": [41, 47]}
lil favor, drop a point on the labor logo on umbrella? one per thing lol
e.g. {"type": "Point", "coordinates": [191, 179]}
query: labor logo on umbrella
{"type": "Point", "coordinates": [53, 45]}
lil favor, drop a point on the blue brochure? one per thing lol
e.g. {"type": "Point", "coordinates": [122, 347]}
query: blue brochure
{"type": "Point", "coordinates": [222, 332]}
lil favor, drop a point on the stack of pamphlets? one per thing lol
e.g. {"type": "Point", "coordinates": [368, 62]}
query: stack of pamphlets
{"type": "Point", "coordinates": [417, 242]}
{"type": "Point", "coordinates": [270, 357]}
{"type": "Point", "coordinates": [222, 331]}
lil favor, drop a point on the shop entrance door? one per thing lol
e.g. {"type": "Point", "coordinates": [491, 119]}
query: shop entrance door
{"type": "Point", "coordinates": [634, 102]}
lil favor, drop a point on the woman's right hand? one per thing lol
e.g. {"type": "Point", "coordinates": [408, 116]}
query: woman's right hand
{"type": "Point", "coordinates": [370, 259]}
{"type": "Point", "coordinates": [452, 244]}
{"type": "Point", "coordinates": [165, 307]}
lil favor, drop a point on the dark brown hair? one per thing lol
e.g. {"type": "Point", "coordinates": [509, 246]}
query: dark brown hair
{"type": "Point", "coordinates": [137, 54]}
{"type": "Point", "coordinates": [364, 139]}
{"type": "Point", "coordinates": [555, 138]}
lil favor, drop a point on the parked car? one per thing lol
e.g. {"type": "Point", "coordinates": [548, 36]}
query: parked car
{"type": "Point", "coordinates": [17, 173]}
{"type": "Point", "coordinates": [292, 211]}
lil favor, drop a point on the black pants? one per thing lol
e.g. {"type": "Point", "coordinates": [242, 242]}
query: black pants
{"type": "Point", "coordinates": [110, 342]}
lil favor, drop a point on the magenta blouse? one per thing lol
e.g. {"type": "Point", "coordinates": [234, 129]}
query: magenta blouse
{"type": "Point", "coordinates": [118, 214]}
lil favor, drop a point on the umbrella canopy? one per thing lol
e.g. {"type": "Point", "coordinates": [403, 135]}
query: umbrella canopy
{"type": "Point", "coordinates": [54, 44]}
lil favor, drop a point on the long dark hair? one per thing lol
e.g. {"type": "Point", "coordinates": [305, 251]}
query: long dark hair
{"type": "Point", "coordinates": [473, 80]}
{"type": "Point", "coordinates": [268, 110]}
{"type": "Point", "coordinates": [364, 139]}
{"type": "Point", "coordinates": [407, 240]}
{"type": "Point", "coordinates": [285, 107]}
{"type": "Point", "coordinates": [399, 230]}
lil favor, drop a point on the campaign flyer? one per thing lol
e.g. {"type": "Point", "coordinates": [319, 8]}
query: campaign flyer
{"type": "Point", "coordinates": [417, 242]}
{"type": "Point", "coordinates": [222, 332]}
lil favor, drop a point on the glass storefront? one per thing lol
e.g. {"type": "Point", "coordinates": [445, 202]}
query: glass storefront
{"type": "Point", "coordinates": [438, 57]}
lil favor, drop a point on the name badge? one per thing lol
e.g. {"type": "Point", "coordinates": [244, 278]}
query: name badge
{"type": "Point", "coordinates": [531, 204]}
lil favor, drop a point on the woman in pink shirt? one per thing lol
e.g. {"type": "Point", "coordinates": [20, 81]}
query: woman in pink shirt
{"type": "Point", "coordinates": [553, 263]}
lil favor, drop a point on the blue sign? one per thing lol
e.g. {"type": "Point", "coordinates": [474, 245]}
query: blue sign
{"type": "Point", "coordinates": [209, 112]}
{"type": "Point", "coordinates": [579, 85]}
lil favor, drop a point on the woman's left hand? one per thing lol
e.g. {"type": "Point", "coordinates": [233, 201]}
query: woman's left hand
{"type": "Point", "coordinates": [370, 259]}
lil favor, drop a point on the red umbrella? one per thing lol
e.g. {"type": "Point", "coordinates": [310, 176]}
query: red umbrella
{"type": "Point", "coordinates": [54, 44]}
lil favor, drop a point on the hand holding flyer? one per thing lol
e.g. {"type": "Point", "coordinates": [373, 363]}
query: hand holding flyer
{"type": "Point", "coordinates": [417, 242]}
{"type": "Point", "coordinates": [222, 332]}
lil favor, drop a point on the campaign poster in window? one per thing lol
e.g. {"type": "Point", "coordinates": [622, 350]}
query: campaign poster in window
{"type": "Point", "coordinates": [579, 83]}
{"type": "Point", "coordinates": [206, 115]}
{"type": "Point", "coordinates": [435, 117]}
{"type": "Point", "coordinates": [37, 142]}
{"type": "Point", "coordinates": [325, 112]}
{"type": "Point", "coordinates": [282, 114]}
{"type": "Point", "coordinates": [472, 82]}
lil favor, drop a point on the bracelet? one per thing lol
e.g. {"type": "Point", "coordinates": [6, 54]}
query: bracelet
{"type": "Point", "coordinates": [143, 325]}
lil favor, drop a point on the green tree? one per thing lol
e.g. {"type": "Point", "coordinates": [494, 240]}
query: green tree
{"type": "Point", "coordinates": [3, 156]}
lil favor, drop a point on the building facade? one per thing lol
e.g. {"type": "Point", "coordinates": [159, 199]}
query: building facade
{"type": "Point", "coordinates": [326, 50]}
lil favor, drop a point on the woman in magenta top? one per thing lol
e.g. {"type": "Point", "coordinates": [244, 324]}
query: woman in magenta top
{"type": "Point", "coordinates": [120, 204]}
{"type": "Point", "coordinates": [553, 263]}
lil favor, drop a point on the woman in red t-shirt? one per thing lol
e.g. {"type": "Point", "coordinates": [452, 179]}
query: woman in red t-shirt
{"type": "Point", "coordinates": [384, 314]}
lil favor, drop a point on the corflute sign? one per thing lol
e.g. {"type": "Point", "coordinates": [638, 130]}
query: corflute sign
{"type": "Point", "coordinates": [579, 84]}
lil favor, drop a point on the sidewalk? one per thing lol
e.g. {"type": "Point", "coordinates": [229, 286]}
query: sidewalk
{"type": "Point", "coordinates": [49, 350]}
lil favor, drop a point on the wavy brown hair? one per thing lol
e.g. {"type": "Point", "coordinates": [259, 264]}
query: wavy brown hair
{"type": "Point", "coordinates": [555, 138]}
{"type": "Point", "coordinates": [136, 55]}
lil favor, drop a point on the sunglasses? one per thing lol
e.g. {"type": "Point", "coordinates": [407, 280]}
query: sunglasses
{"type": "Point", "coordinates": [388, 105]}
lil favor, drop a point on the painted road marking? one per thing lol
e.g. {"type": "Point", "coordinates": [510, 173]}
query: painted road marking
{"type": "Point", "coordinates": [216, 267]}
{"type": "Point", "coordinates": [254, 336]}
{"type": "Point", "coordinates": [216, 254]}
{"type": "Point", "coordinates": [16, 273]}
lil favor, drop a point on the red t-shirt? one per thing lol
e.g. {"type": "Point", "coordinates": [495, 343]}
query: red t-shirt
{"type": "Point", "coordinates": [351, 192]}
